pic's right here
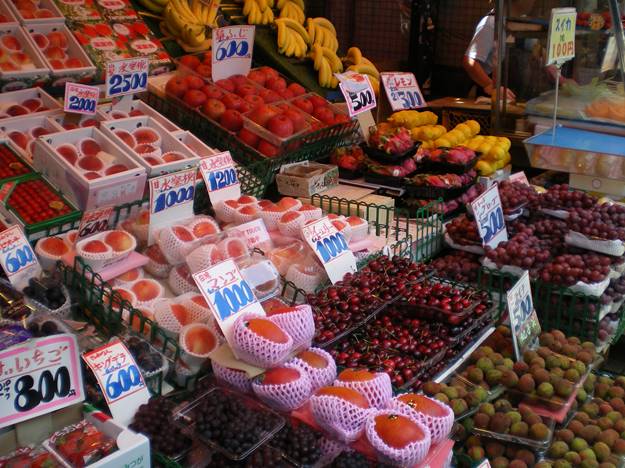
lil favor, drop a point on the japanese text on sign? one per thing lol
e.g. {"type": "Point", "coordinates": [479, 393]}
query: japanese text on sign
{"type": "Point", "coordinates": [489, 217]}
{"type": "Point", "coordinates": [402, 90]}
{"type": "Point", "coordinates": [220, 177]}
{"type": "Point", "coordinates": [255, 233]}
{"type": "Point", "coordinates": [232, 51]}
{"type": "Point", "coordinates": [93, 222]}
{"type": "Point", "coordinates": [127, 76]}
{"type": "Point", "coordinates": [17, 258]}
{"type": "Point", "coordinates": [80, 98]}
{"type": "Point", "coordinates": [523, 318]}
{"type": "Point", "coordinates": [561, 38]}
{"type": "Point", "coordinates": [39, 376]}
{"type": "Point", "coordinates": [358, 92]}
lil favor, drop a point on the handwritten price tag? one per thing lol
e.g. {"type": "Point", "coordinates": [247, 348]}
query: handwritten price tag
{"type": "Point", "coordinates": [227, 294]}
{"type": "Point", "coordinates": [119, 378]}
{"type": "Point", "coordinates": [403, 91]}
{"type": "Point", "coordinates": [331, 248]}
{"type": "Point", "coordinates": [17, 258]}
{"type": "Point", "coordinates": [232, 51]}
{"type": "Point", "coordinates": [519, 177]}
{"type": "Point", "coordinates": [489, 217]}
{"type": "Point", "coordinates": [171, 199]}
{"type": "Point", "coordinates": [358, 92]}
{"type": "Point", "coordinates": [93, 222]}
{"type": "Point", "coordinates": [128, 76]}
{"type": "Point", "coordinates": [523, 318]}
{"type": "Point", "coordinates": [220, 176]}
{"type": "Point", "coordinates": [255, 233]}
{"type": "Point", "coordinates": [80, 98]}
{"type": "Point", "coordinates": [561, 37]}
{"type": "Point", "coordinates": [39, 376]}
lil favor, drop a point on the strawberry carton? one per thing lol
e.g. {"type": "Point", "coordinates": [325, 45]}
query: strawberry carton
{"type": "Point", "coordinates": [32, 457]}
{"type": "Point", "coordinates": [7, 17]}
{"type": "Point", "coordinates": [91, 168]}
{"type": "Point", "coordinates": [12, 165]}
{"type": "Point", "coordinates": [117, 10]}
{"type": "Point", "coordinates": [23, 131]}
{"type": "Point", "coordinates": [142, 43]}
{"type": "Point", "coordinates": [21, 66]}
{"type": "Point", "coordinates": [62, 54]}
{"type": "Point", "coordinates": [79, 11]}
{"type": "Point", "coordinates": [27, 101]}
{"type": "Point", "coordinates": [137, 108]}
{"type": "Point", "coordinates": [36, 11]}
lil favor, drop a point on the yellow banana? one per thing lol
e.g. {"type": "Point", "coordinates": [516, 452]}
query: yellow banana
{"type": "Point", "coordinates": [291, 10]}
{"type": "Point", "coordinates": [213, 9]}
{"type": "Point", "coordinates": [302, 47]}
{"type": "Point", "coordinates": [162, 3]}
{"type": "Point", "coordinates": [335, 62]}
{"type": "Point", "coordinates": [326, 24]}
{"type": "Point", "coordinates": [267, 16]}
{"type": "Point", "coordinates": [375, 84]}
{"type": "Point", "coordinates": [354, 55]}
{"type": "Point", "coordinates": [365, 69]}
{"type": "Point", "coordinates": [298, 28]}
{"type": "Point", "coordinates": [300, 3]}
{"type": "Point", "coordinates": [193, 38]}
{"type": "Point", "coordinates": [281, 3]}
{"type": "Point", "coordinates": [175, 24]}
{"type": "Point", "coordinates": [196, 9]}
{"type": "Point", "coordinates": [319, 35]}
{"type": "Point", "coordinates": [325, 74]}
{"type": "Point", "coordinates": [310, 28]}
{"type": "Point", "coordinates": [334, 82]}
{"type": "Point", "coordinates": [281, 35]}
{"type": "Point", "coordinates": [270, 3]}
{"type": "Point", "coordinates": [317, 55]}
{"type": "Point", "coordinates": [183, 6]}
{"type": "Point", "coordinates": [247, 7]}
{"type": "Point", "coordinates": [262, 4]}
{"type": "Point", "coordinates": [291, 44]}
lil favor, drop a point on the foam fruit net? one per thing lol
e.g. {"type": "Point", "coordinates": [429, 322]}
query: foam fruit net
{"type": "Point", "coordinates": [179, 284]}
{"type": "Point", "coordinates": [224, 212]}
{"type": "Point", "coordinates": [255, 349]}
{"type": "Point", "coordinates": [439, 426]}
{"type": "Point", "coordinates": [167, 320]}
{"type": "Point", "coordinates": [271, 219]}
{"type": "Point", "coordinates": [200, 258]}
{"type": "Point", "coordinates": [318, 377]}
{"type": "Point", "coordinates": [285, 397]}
{"type": "Point", "coordinates": [298, 324]}
{"type": "Point", "coordinates": [378, 390]}
{"type": "Point", "coordinates": [238, 379]}
{"type": "Point", "coordinates": [342, 419]}
{"type": "Point", "coordinates": [292, 228]}
{"type": "Point", "coordinates": [172, 247]}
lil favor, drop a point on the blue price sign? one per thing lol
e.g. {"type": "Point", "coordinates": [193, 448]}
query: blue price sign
{"type": "Point", "coordinates": [220, 176]}
{"type": "Point", "coordinates": [81, 99]}
{"type": "Point", "coordinates": [128, 76]}
{"type": "Point", "coordinates": [403, 91]}
{"type": "Point", "coordinates": [17, 258]}
{"type": "Point", "coordinates": [523, 319]}
{"type": "Point", "coordinates": [232, 51]}
{"type": "Point", "coordinates": [489, 217]}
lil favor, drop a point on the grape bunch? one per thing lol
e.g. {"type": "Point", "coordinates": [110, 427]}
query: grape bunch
{"type": "Point", "coordinates": [457, 266]}
{"type": "Point", "coordinates": [559, 197]}
{"type": "Point", "coordinates": [154, 420]}
{"type": "Point", "coordinates": [616, 213]}
{"type": "Point", "coordinates": [514, 195]}
{"type": "Point", "coordinates": [523, 251]}
{"type": "Point", "coordinates": [355, 460]}
{"type": "Point", "coordinates": [463, 231]}
{"type": "Point", "coordinates": [301, 444]}
{"type": "Point", "coordinates": [148, 359]}
{"type": "Point", "coordinates": [595, 223]}
{"type": "Point", "coordinates": [568, 269]}
{"type": "Point", "coordinates": [614, 292]}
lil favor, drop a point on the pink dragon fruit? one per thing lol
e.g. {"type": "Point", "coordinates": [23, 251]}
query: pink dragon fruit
{"type": "Point", "coordinates": [391, 140]}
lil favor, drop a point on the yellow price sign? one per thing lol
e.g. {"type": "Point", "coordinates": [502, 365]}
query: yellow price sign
{"type": "Point", "coordinates": [561, 39]}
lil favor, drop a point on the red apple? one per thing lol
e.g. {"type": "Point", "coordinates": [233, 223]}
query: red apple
{"type": "Point", "coordinates": [238, 79]}
{"type": "Point", "coordinates": [262, 114]}
{"type": "Point", "coordinates": [248, 137]}
{"type": "Point", "coordinates": [297, 118]}
{"type": "Point", "coordinates": [231, 120]}
{"type": "Point", "coordinates": [297, 89]}
{"type": "Point", "coordinates": [194, 82]}
{"type": "Point", "coordinates": [205, 70]}
{"type": "Point", "coordinates": [269, 72]}
{"type": "Point", "coordinates": [269, 96]}
{"type": "Point", "coordinates": [232, 101]}
{"type": "Point", "coordinates": [213, 108]}
{"type": "Point", "coordinates": [266, 148]}
{"type": "Point", "coordinates": [190, 61]}
{"type": "Point", "coordinates": [257, 76]}
{"type": "Point", "coordinates": [244, 89]}
{"type": "Point", "coordinates": [213, 91]}
{"type": "Point", "coordinates": [280, 125]}
{"type": "Point", "coordinates": [176, 86]}
{"type": "Point", "coordinates": [194, 98]}
{"type": "Point", "coordinates": [341, 118]}
{"type": "Point", "coordinates": [253, 100]}
{"type": "Point", "coordinates": [286, 94]}
{"type": "Point", "coordinates": [226, 84]}
{"type": "Point", "coordinates": [304, 104]}
{"type": "Point", "coordinates": [276, 84]}
{"type": "Point", "coordinates": [318, 101]}
{"type": "Point", "coordinates": [324, 114]}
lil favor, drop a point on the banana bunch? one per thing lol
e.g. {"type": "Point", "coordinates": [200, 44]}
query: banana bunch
{"type": "Point", "coordinates": [327, 63]}
{"type": "Point", "coordinates": [359, 64]}
{"type": "Point", "coordinates": [155, 6]}
{"type": "Point", "coordinates": [293, 40]}
{"type": "Point", "coordinates": [258, 11]}
{"type": "Point", "coordinates": [322, 32]}
{"type": "Point", "coordinates": [188, 20]}
{"type": "Point", "coordinates": [292, 9]}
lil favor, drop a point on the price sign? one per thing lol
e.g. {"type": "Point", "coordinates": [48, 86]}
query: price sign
{"type": "Point", "coordinates": [331, 248]}
{"type": "Point", "coordinates": [358, 92]}
{"type": "Point", "coordinates": [220, 177]}
{"type": "Point", "coordinates": [119, 378]}
{"type": "Point", "coordinates": [93, 222]}
{"type": "Point", "coordinates": [561, 37]}
{"type": "Point", "coordinates": [171, 199]}
{"type": "Point", "coordinates": [519, 177]}
{"type": "Point", "coordinates": [232, 51]}
{"type": "Point", "coordinates": [17, 258]}
{"type": "Point", "coordinates": [484, 464]}
{"type": "Point", "coordinates": [255, 233]}
{"type": "Point", "coordinates": [80, 98]}
{"type": "Point", "coordinates": [227, 294]}
{"type": "Point", "coordinates": [128, 76]}
{"type": "Point", "coordinates": [39, 376]}
{"type": "Point", "coordinates": [489, 217]}
{"type": "Point", "coordinates": [403, 91]}
{"type": "Point", "coordinates": [523, 319]}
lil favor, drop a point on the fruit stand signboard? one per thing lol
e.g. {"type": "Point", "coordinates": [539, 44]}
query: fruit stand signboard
{"type": "Point", "coordinates": [127, 76]}
{"type": "Point", "coordinates": [402, 90]}
{"type": "Point", "coordinates": [220, 177]}
{"type": "Point", "coordinates": [80, 98]}
{"type": "Point", "coordinates": [489, 217]}
{"type": "Point", "coordinates": [523, 319]}
{"type": "Point", "coordinates": [17, 258]}
{"type": "Point", "coordinates": [232, 51]}
{"type": "Point", "coordinates": [561, 38]}
{"type": "Point", "coordinates": [358, 92]}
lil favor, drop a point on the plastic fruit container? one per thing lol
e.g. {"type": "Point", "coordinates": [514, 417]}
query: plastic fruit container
{"type": "Point", "coordinates": [26, 101]}
{"type": "Point", "coordinates": [21, 66]}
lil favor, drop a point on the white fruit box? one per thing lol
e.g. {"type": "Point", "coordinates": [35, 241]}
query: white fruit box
{"type": "Point", "coordinates": [138, 105]}
{"type": "Point", "coordinates": [168, 143]}
{"type": "Point", "coordinates": [27, 125]}
{"type": "Point", "coordinates": [196, 145]}
{"type": "Point", "coordinates": [8, 99]}
{"type": "Point", "coordinates": [37, 75]}
{"type": "Point", "coordinates": [70, 121]}
{"type": "Point", "coordinates": [56, 15]}
{"type": "Point", "coordinates": [84, 74]}
{"type": "Point", "coordinates": [115, 189]}
{"type": "Point", "coordinates": [7, 12]}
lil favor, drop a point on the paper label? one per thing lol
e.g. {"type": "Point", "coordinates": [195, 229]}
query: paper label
{"type": "Point", "coordinates": [220, 177]}
{"type": "Point", "coordinates": [93, 222]}
{"type": "Point", "coordinates": [255, 233]}
{"type": "Point", "coordinates": [232, 47]}
{"type": "Point", "coordinates": [358, 92]}
{"type": "Point", "coordinates": [171, 199]}
{"type": "Point", "coordinates": [331, 248]}
{"type": "Point", "coordinates": [80, 98]}
{"type": "Point", "coordinates": [119, 378]}
{"type": "Point", "coordinates": [519, 177]}
{"type": "Point", "coordinates": [17, 258]}
{"type": "Point", "coordinates": [489, 217]}
{"type": "Point", "coordinates": [128, 76]}
{"type": "Point", "coordinates": [403, 91]}
{"type": "Point", "coordinates": [39, 376]}
{"type": "Point", "coordinates": [523, 319]}
{"type": "Point", "coordinates": [561, 37]}
{"type": "Point", "coordinates": [484, 464]}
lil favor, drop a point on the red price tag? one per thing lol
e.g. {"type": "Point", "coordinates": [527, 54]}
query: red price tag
{"type": "Point", "coordinates": [80, 98]}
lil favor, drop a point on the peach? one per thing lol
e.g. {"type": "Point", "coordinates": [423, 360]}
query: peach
{"type": "Point", "coordinates": [246, 199]}
{"type": "Point", "coordinates": [27, 14]}
{"type": "Point", "coordinates": [146, 290]}
{"type": "Point", "coordinates": [199, 340]}
{"type": "Point", "coordinates": [89, 147]}
{"type": "Point", "coordinates": [115, 168]}
{"type": "Point", "coordinates": [11, 43]}
{"type": "Point", "coordinates": [20, 58]}
{"type": "Point", "coordinates": [95, 246]}
{"type": "Point", "coordinates": [41, 40]}
{"type": "Point", "coordinates": [156, 255]}
{"type": "Point", "coordinates": [19, 139]}
{"type": "Point", "coordinates": [57, 39]}
{"type": "Point", "coordinates": [125, 295]}
{"type": "Point", "coordinates": [232, 203]}
{"type": "Point", "coordinates": [69, 126]}
{"type": "Point", "coordinates": [68, 152]}
{"type": "Point", "coordinates": [248, 210]}
{"type": "Point", "coordinates": [199, 300]}
{"type": "Point", "coordinates": [355, 221]}
{"type": "Point", "coordinates": [54, 246]}
{"type": "Point", "coordinates": [146, 136]}
{"type": "Point", "coordinates": [44, 13]}
{"type": "Point", "coordinates": [143, 218]}
{"type": "Point", "coordinates": [119, 241]}
{"type": "Point", "coordinates": [182, 233]}
{"type": "Point", "coordinates": [55, 53]}
{"type": "Point", "coordinates": [74, 62]}
{"type": "Point", "coordinates": [290, 216]}
{"type": "Point", "coordinates": [204, 229]}
{"type": "Point", "coordinates": [16, 110]}
{"type": "Point", "coordinates": [288, 202]}
{"type": "Point", "coordinates": [126, 137]}
{"type": "Point", "coordinates": [39, 131]}
{"type": "Point", "coordinates": [57, 64]}
{"type": "Point", "coordinates": [172, 156]}
{"type": "Point", "coordinates": [8, 67]}
{"type": "Point", "coordinates": [91, 175]}
{"type": "Point", "coordinates": [88, 123]}
{"type": "Point", "coordinates": [181, 313]}
{"type": "Point", "coordinates": [152, 161]}
{"type": "Point", "coordinates": [118, 115]}
{"type": "Point", "coordinates": [135, 113]}
{"type": "Point", "coordinates": [32, 104]}
{"type": "Point", "coordinates": [130, 275]}
{"type": "Point", "coordinates": [90, 163]}
{"type": "Point", "coordinates": [145, 149]}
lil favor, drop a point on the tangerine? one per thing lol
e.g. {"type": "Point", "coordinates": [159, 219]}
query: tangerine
{"type": "Point", "coordinates": [267, 329]}
{"type": "Point", "coordinates": [347, 394]}
{"type": "Point", "coordinates": [397, 431]}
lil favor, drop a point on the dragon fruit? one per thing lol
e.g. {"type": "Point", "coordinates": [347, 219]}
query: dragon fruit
{"type": "Point", "coordinates": [390, 140]}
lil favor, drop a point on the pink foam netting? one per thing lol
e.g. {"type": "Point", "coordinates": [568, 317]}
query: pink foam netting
{"type": "Point", "coordinates": [298, 324]}
{"type": "Point", "coordinates": [359, 232]}
{"type": "Point", "coordinates": [255, 349]}
{"type": "Point", "coordinates": [238, 379]}
{"type": "Point", "coordinates": [174, 249]}
{"type": "Point", "coordinates": [312, 214]}
{"type": "Point", "coordinates": [439, 426]}
{"type": "Point", "coordinates": [203, 219]}
{"type": "Point", "coordinates": [202, 257]}
{"type": "Point", "coordinates": [318, 377]}
{"type": "Point", "coordinates": [241, 218]}
{"type": "Point", "coordinates": [285, 397]}
{"type": "Point", "coordinates": [340, 418]}
{"type": "Point", "coordinates": [271, 218]}
{"type": "Point", "coordinates": [179, 284]}
{"type": "Point", "coordinates": [224, 213]}
{"type": "Point", "coordinates": [377, 390]}
{"type": "Point", "coordinates": [292, 228]}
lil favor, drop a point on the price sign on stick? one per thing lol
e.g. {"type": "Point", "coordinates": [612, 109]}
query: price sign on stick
{"type": "Point", "coordinates": [80, 98]}
{"type": "Point", "coordinates": [119, 378]}
{"type": "Point", "coordinates": [220, 177]}
{"type": "Point", "coordinates": [128, 76]}
{"type": "Point", "coordinates": [17, 258]}
{"type": "Point", "coordinates": [255, 233]}
{"type": "Point", "coordinates": [331, 248]}
{"type": "Point", "coordinates": [519, 177]}
{"type": "Point", "coordinates": [232, 51]}
{"type": "Point", "coordinates": [94, 221]}
{"type": "Point", "coordinates": [39, 376]}
{"type": "Point", "coordinates": [561, 37]}
{"type": "Point", "coordinates": [489, 217]}
{"type": "Point", "coordinates": [402, 90]}
{"type": "Point", "coordinates": [358, 92]}
{"type": "Point", "coordinates": [523, 319]}
{"type": "Point", "coordinates": [171, 199]}
{"type": "Point", "coordinates": [227, 294]}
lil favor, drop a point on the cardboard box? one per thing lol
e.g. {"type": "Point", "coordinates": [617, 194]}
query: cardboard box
{"type": "Point", "coordinates": [305, 179]}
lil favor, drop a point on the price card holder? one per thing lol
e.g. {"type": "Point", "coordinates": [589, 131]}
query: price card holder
{"type": "Point", "coordinates": [119, 378]}
{"type": "Point", "coordinates": [402, 91]}
{"type": "Point", "coordinates": [331, 248]}
{"type": "Point", "coordinates": [93, 222]}
{"type": "Point", "coordinates": [227, 294]}
{"type": "Point", "coordinates": [232, 51]}
{"type": "Point", "coordinates": [81, 99]}
{"type": "Point", "coordinates": [489, 217]}
{"type": "Point", "coordinates": [128, 76]}
{"type": "Point", "coordinates": [519, 177]}
{"type": "Point", "coordinates": [357, 91]}
{"type": "Point", "coordinates": [523, 319]}
{"type": "Point", "coordinates": [561, 37]}
{"type": "Point", "coordinates": [171, 199]}
{"type": "Point", "coordinates": [220, 177]}
{"type": "Point", "coordinates": [17, 258]}
{"type": "Point", "coordinates": [255, 233]}
{"type": "Point", "coordinates": [39, 376]}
